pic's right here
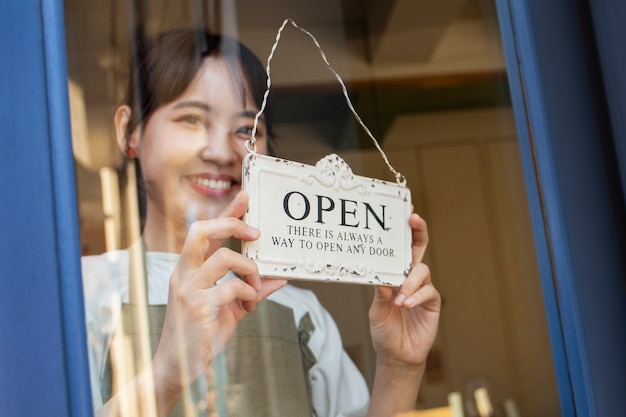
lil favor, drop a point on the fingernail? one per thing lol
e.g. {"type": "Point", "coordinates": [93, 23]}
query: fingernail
{"type": "Point", "coordinates": [253, 229]}
{"type": "Point", "coordinates": [412, 302]}
{"type": "Point", "coordinates": [400, 299]}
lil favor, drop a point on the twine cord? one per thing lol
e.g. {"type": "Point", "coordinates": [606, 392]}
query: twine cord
{"type": "Point", "coordinates": [250, 143]}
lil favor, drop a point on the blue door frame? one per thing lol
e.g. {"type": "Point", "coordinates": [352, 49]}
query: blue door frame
{"type": "Point", "coordinates": [573, 183]}
{"type": "Point", "coordinates": [43, 350]}
{"type": "Point", "coordinates": [575, 188]}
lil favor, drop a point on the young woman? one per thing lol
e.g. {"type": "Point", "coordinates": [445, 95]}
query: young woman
{"type": "Point", "coordinates": [191, 104]}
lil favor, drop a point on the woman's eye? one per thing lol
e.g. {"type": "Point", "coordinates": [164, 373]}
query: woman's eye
{"type": "Point", "coordinates": [245, 131]}
{"type": "Point", "coordinates": [191, 119]}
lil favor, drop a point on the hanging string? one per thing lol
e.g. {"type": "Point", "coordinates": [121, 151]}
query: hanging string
{"type": "Point", "coordinates": [250, 143]}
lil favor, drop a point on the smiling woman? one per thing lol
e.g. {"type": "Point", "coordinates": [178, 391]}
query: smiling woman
{"type": "Point", "coordinates": [430, 75]}
{"type": "Point", "coordinates": [171, 328]}
{"type": "Point", "coordinates": [433, 91]}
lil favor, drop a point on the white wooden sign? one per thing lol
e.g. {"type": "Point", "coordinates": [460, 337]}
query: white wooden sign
{"type": "Point", "coordinates": [324, 223]}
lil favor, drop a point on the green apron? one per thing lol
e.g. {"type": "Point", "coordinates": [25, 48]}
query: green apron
{"type": "Point", "coordinates": [262, 372]}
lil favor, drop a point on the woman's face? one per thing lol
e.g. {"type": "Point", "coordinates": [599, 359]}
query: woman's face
{"type": "Point", "coordinates": [191, 149]}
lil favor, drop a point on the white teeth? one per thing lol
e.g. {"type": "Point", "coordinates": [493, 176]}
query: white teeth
{"type": "Point", "coordinates": [211, 183]}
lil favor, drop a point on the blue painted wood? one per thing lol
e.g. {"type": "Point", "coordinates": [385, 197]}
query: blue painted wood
{"type": "Point", "coordinates": [42, 347]}
{"type": "Point", "coordinates": [511, 44]}
{"type": "Point", "coordinates": [66, 213]}
{"type": "Point", "coordinates": [571, 209]}
{"type": "Point", "coordinates": [608, 18]}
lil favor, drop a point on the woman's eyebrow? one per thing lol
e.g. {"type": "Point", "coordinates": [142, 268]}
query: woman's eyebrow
{"type": "Point", "coordinates": [193, 103]}
{"type": "Point", "coordinates": [247, 113]}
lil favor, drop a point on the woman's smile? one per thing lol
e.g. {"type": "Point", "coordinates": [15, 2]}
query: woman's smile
{"type": "Point", "coordinates": [213, 185]}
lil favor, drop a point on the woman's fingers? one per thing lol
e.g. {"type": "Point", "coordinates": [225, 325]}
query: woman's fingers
{"type": "Point", "coordinates": [418, 278]}
{"type": "Point", "coordinates": [419, 237]}
{"type": "Point", "coordinates": [427, 297]}
{"type": "Point", "coordinates": [237, 207]}
{"type": "Point", "coordinates": [224, 260]}
{"type": "Point", "coordinates": [205, 237]}
{"type": "Point", "coordinates": [268, 286]}
{"type": "Point", "coordinates": [229, 291]}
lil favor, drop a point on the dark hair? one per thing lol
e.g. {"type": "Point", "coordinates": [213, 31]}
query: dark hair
{"type": "Point", "coordinates": [164, 65]}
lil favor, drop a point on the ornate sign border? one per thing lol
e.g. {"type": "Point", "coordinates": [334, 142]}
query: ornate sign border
{"type": "Point", "coordinates": [324, 223]}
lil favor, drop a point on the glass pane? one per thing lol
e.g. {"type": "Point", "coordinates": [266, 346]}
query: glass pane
{"type": "Point", "coordinates": [427, 78]}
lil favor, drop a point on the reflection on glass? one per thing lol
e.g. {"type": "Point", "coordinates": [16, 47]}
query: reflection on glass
{"type": "Point", "coordinates": [428, 79]}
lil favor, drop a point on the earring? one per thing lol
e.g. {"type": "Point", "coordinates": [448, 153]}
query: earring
{"type": "Point", "coordinates": [131, 153]}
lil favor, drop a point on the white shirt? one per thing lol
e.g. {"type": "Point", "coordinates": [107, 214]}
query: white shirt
{"type": "Point", "coordinates": [337, 387]}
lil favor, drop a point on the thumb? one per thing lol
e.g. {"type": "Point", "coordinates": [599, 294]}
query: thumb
{"type": "Point", "coordinates": [380, 305]}
{"type": "Point", "coordinates": [237, 207]}
{"type": "Point", "coordinates": [381, 301]}
{"type": "Point", "coordinates": [382, 294]}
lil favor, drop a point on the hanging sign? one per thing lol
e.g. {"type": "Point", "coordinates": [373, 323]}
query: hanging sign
{"type": "Point", "coordinates": [323, 222]}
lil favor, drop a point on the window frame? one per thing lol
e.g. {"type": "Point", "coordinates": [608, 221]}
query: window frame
{"type": "Point", "coordinates": [43, 349]}
{"type": "Point", "coordinates": [573, 190]}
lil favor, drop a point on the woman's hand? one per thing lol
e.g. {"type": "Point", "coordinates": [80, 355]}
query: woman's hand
{"type": "Point", "coordinates": [403, 324]}
{"type": "Point", "coordinates": [202, 315]}
{"type": "Point", "coordinates": [403, 321]}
